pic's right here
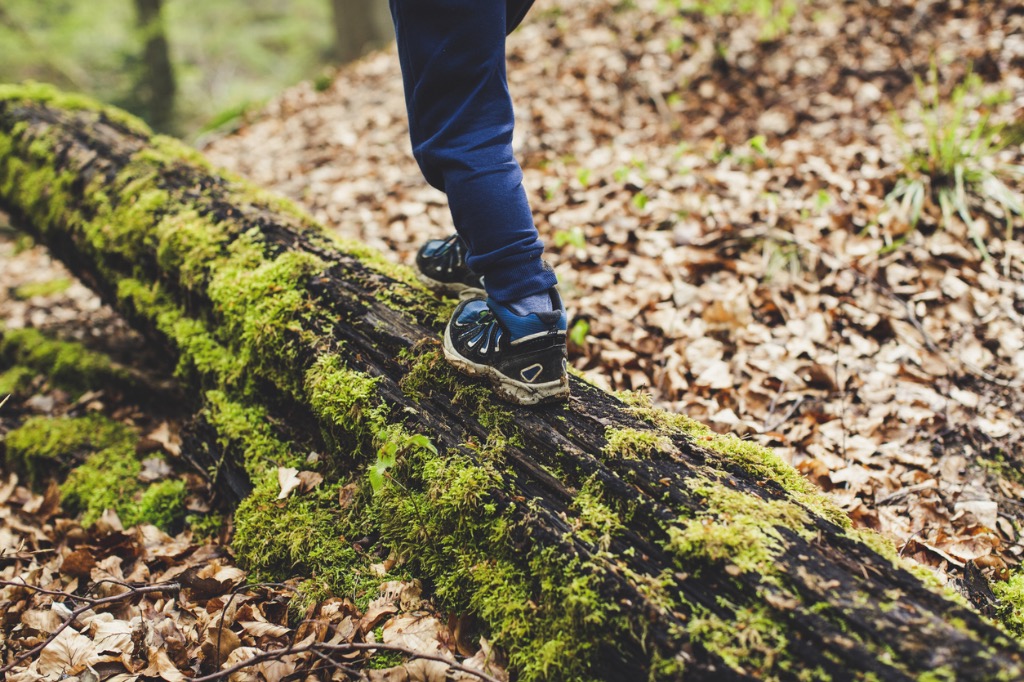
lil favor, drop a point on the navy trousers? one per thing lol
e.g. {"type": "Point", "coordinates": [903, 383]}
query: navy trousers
{"type": "Point", "coordinates": [452, 54]}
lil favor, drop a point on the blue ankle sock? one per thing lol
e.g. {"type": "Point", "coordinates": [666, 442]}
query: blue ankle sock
{"type": "Point", "coordinates": [537, 303]}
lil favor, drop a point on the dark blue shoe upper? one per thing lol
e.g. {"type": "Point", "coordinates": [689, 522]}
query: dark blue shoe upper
{"type": "Point", "coordinates": [525, 348]}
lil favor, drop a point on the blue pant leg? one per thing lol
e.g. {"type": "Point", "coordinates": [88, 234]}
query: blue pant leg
{"type": "Point", "coordinates": [515, 12]}
{"type": "Point", "coordinates": [452, 54]}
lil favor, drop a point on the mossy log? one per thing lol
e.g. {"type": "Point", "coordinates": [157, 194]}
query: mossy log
{"type": "Point", "coordinates": [602, 539]}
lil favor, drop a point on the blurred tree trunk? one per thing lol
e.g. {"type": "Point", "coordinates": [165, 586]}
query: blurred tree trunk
{"type": "Point", "coordinates": [156, 87]}
{"type": "Point", "coordinates": [359, 26]}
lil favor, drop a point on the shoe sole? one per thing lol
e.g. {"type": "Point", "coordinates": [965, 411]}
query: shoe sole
{"type": "Point", "coordinates": [463, 291]}
{"type": "Point", "coordinates": [508, 389]}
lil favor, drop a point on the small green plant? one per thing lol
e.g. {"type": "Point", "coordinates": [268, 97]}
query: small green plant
{"type": "Point", "coordinates": [573, 236]}
{"type": "Point", "coordinates": [776, 15]}
{"type": "Point", "coordinates": [549, 192]}
{"type": "Point", "coordinates": [781, 256]}
{"type": "Point", "coordinates": [387, 455]}
{"type": "Point", "coordinates": [579, 331]}
{"type": "Point", "coordinates": [822, 200]}
{"type": "Point", "coordinates": [583, 176]}
{"type": "Point", "coordinates": [323, 82]}
{"type": "Point", "coordinates": [954, 162]}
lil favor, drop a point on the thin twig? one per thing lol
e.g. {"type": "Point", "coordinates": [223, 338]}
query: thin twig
{"type": "Point", "coordinates": [234, 593]}
{"type": "Point", "coordinates": [52, 593]}
{"type": "Point", "coordinates": [323, 647]}
{"type": "Point", "coordinates": [785, 418]}
{"type": "Point", "coordinates": [71, 617]}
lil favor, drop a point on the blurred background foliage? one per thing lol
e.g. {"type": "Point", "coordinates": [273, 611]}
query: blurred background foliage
{"type": "Point", "coordinates": [184, 66]}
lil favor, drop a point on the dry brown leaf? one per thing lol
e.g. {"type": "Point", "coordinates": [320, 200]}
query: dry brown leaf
{"type": "Point", "coordinates": [288, 479]}
{"type": "Point", "coordinates": [263, 629]}
{"type": "Point", "coordinates": [44, 621]}
{"type": "Point", "coordinates": [68, 654]}
{"type": "Point", "coordinates": [112, 636]}
{"type": "Point", "coordinates": [219, 643]}
{"type": "Point", "coordinates": [310, 480]}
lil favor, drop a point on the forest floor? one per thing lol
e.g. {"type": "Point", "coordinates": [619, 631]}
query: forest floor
{"type": "Point", "coordinates": [712, 190]}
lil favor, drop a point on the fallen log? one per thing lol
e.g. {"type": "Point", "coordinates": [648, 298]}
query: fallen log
{"type": "Point", "coordinates": [602, 539]}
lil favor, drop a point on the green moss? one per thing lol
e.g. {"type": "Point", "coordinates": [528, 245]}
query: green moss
{"type": "Point", "coordinates": [31, 92]}
{"type": "Point", "coordinates": [738, 529]}
{"type": "Point", "coordinates": [205, 526]}
{"type": "Point", "coordinates": [345, 401]}
{"type": "Point", "coordinates": [597, 522]}
{"type": "Point", "coordinates": [262, 306]}
{"type": "Point", "coordinates": [750, 639]}
{"type": "Point", "coordinates": [942, 674]}
{"type": "Point", "coordinates": [544, 606]}
{"type": "Point", "coordinates": [17, 380]}
{"type": "Point", "coordinates": [41, 446]}
{"type": "Point", "coordinates": [162, 504]}
{"type": "Point", "coordinates": [247, 431]}
{"type": "Point", "coordinates": [760, 462]}
{"type": "Point", "coordinates": [107, 478]}
{"type": "Point", "coordinates": [66, 364]}
{"type": "Point", "coordinates": [382, 660]}
{"type": "Point", "coordinates": [302, 535]}
{"type": "Point", "coordinates": [633, 443]}
{"type": "Point", "coordinates": [201, 355]}
{"type": "Point", "coordinates": [1010, 610]}
{"type": "Point", "coordinates": [50, 288]}
{"type": "Point", "coordinates": [1000, 465]}
{"type": "Point", "coordinates": [188, 246]}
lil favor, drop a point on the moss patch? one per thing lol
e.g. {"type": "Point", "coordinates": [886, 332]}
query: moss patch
{"type": "Point", "coordinates": [545, 606]}
{"type": "Point", "coordinates": [31, 92]}
{"type": "Point", "coordinates": [738, 529]}
{"type": "Point", "coordinates": [634, 443]}
{"type": "Point", "coordinates": [304, 534]}
{"type": "Point", "coordinates": [106, 479]}
{"type": "Point", "coordinates": [50, 288]}
{"type": "Point", "coordinates": [15, 380]}
{"type": "Point", "coordinates": [66, 364]}
{"type": "Point", "coordinates": [751, 639]}
{"type": "Point", "coordinates": [42, 446]}
{"type": "Point", "coordinates": [760, 462]}
{"type": "Point", "coordinates": [1011, 603]}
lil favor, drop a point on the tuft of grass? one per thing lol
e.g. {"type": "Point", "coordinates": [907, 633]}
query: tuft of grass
{"type": "Point", "coordinates": [49, 288]}
{"type": "Point", "coordinates": [954, 162]}
{"type": "Point", "coordinates": [775, 15]}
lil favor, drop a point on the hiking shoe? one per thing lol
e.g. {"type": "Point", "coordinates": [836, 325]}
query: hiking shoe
{"type": "Point", "coordinates": [441, 266]}
{"type": "Point", "coordinates": [523, 356]}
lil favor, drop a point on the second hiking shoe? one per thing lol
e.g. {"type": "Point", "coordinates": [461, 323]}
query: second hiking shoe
{"type": "Point", "coordinates": [441, 265]}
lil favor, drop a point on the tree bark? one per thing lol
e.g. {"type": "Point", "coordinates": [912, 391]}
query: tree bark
{"type": "Point", "coordinates": [157, 87]}
{"type": "Point", "coordinates": [359, 26]}
{"type": "Point", "coordinates": [602, 539]}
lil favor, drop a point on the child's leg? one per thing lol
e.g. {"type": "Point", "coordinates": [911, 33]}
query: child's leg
{"type": "Point", "coordinates": [452, 54]}
{"type": "Point", "coordinates": [515, 12]}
